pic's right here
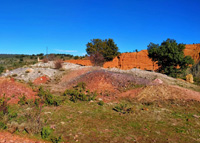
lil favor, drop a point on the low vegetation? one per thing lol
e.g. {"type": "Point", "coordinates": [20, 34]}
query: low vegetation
{"type": "Point", "coordinates": [126, 121]}
{"type": "Point", "coordinates": [78, 114]}
{"type": "Point", "coordinates": [79, 93]}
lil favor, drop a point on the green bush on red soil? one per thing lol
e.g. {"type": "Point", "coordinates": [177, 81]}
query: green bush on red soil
{"type": "Point", "coordinates": [3, 105]}
{"type": "Point", "coordinates": [22, 100]}
{"type": "Point", "coordinates": [47, 98]}
{"type": "Point", "coordinates": [2, 125]}
{"type": "Point", "coordinates": [80, 93]}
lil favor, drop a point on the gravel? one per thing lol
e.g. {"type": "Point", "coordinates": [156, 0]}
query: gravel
{"type": "Point", "coordinates": [22, 74]}
{"type": "Point", "coordinates": [40, 69]}
{"type": "Point", "coordinates": [144, 74]}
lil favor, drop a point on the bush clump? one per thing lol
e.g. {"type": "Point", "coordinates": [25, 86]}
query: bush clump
{"type": "Point", "coordinates": [1, 69]}
{"type": "Point", "coordinates": [46, 131]}
{"type": "Point", "coordinates": [123, 108]}
{"type": "Point", "coordinates": [58, 64]}
{"type": "Point", "coordinates": [22, 100]}
{"type": "Point", "coordinates": [56, 139]}
{"type": "Point", "coordinates": [2, 125]}
{"type": "Point", "coordinates": [79, 93]}
{"type": "Point", "coordinates": [47, 98]}
{"type": "Point", "coordinates": [101, 103]}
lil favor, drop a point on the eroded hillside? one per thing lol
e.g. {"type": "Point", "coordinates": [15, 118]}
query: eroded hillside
{"type": "Point", "coordinates": [139, 59]}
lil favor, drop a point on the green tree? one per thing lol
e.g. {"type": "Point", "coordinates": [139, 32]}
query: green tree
{"type": "Point", "coordinates": [170, 57]}
{"type": "Point", "coordinates": [107, 48]}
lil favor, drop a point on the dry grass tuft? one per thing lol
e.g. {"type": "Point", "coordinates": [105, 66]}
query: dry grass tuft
{"type": "Point", "coordinates": [165, 92]}
{"type": "Point", "coordinates": [58, 64]}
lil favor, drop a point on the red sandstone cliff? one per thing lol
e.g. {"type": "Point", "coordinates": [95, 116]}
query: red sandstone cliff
{"type": "Point", "coordinates": [193, 50]}
{"type": "Point", "coordinates": [80, 62]}
{"type": "Point", "coordinates": [139, 60]}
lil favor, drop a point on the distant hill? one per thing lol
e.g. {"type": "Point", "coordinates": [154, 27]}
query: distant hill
{"type": "Point", "coordinates": [9, 55]}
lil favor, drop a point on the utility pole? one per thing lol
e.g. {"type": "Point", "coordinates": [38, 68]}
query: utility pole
{"type": "Point", "coordinates": [47, 52]}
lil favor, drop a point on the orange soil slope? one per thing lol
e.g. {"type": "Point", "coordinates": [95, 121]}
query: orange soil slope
{"type": "Point", "coordinates": [13, 90]}
{"type": "Point", "coordinates": [139, 60]}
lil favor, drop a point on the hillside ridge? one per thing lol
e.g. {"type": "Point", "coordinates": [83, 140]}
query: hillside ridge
{"type": "Point", "coordinates": [139, 59]}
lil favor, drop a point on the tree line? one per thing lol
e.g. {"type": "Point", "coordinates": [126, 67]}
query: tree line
{"type": "Point", "coordinates": [169, 55]}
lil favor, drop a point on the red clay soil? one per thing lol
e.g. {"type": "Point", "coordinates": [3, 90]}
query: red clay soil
{"type": "Point", "coordinates": [41, 80]}
{"type": "Point", "coordinates": [14, 90]}
{"type": "Point", "coordinates": [139, 60]}
{"type": "Point", "coordinates": [71, 75]}
{"type": "Point", "coordinates": [187, 93]}
{"type": "Point", "coordinates": [106, 82]}
{"type": "Point", "coordinates": [80, 62]}
{"type": "Point", "coordinates": [6, 137]}
{"type": "Point", "coordinates": [127, 94]}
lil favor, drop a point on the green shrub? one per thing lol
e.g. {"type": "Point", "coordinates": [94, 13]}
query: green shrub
{"type": "Point", "coordinates": [56, 139]}
{"type": "Point", "coordinates": [101, 103]}
{"type": "Point", "coordinates": [37, 102]}
{"type": "Point", "coordinates": [123, 108]}
{"type": "Point", "coordinates": [1, 69]}
{"type": "Point", "coordinates": [76, 57]}
{"type": "Point", "coordinates": [197, 81]}
{"type": "Point", "coordinates": [46, 131]}
{"type": "Point", "coordinates": [2, 125]}
{"type": "Point", "coordinates": [47, 98]}
{"type": "Point", "coordinates": [81, 85]}
{"type": "Point", "coordinates": [79, 93]}
{"type": "Point", "coordinates": [22, 100]}
{"type": "Point", "coordinates": [12, 114]}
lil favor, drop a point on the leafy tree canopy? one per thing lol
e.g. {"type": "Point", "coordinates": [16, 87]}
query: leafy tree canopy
{"type": "Point", "coordinates": [107, 48]}
{"type": "Point", "coordinates": [169, 57]}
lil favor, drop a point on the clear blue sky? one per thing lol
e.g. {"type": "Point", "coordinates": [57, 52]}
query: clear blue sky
{"type": "Point", "coordinates": [65, 26]}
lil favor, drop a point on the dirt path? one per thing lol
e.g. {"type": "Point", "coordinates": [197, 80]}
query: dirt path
{"type": "Point", "coordinates": [6, 137]}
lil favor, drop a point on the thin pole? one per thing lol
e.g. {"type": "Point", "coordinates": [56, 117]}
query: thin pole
{"type": "Point", "coordinates": [47, 52]}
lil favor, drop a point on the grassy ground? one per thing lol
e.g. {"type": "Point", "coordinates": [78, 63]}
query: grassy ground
{"type": "Point", "coordinates": [11, 63]}
{"type": "Point", "coordinates": [169, 121]}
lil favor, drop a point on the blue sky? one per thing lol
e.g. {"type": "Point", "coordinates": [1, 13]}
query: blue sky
{"type": "Point", "coordinates": [65, 26]}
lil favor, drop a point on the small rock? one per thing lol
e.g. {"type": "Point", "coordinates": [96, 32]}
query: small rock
{"type": "Point", "coordinates": [100, 99]}
{"type": "Point", "coordinates": [47, 113]}
{"type": "Point", "coordinates": [196, 116]}
{"type": "Point", "coordinates": [80, 112]}
{"type": "Point", "coordinates": [159, 81]}
{"type": "Point", "coordinates": [189, 78]}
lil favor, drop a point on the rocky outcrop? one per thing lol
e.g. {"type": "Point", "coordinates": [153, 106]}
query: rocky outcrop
{"type": "Point", "coordinates": [139, 60]}
{"type": "Point", "coordinates": [80, 62]}
{"type": "Point", "coordinates": [127, 61]}
{"type": "Point", "coordinates": [193, 50]}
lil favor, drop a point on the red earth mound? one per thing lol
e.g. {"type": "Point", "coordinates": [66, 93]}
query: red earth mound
{"type": "Point", "coordinates": [41, 80]}
{"type": "Point", "coordinates": [71, 75]}
{"type": "Point", "coordinates": [139, 60]}
{"type": "Point", "coordinates": [106, 82]}
{"type": "Point", "coordinates": [13, 90]}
